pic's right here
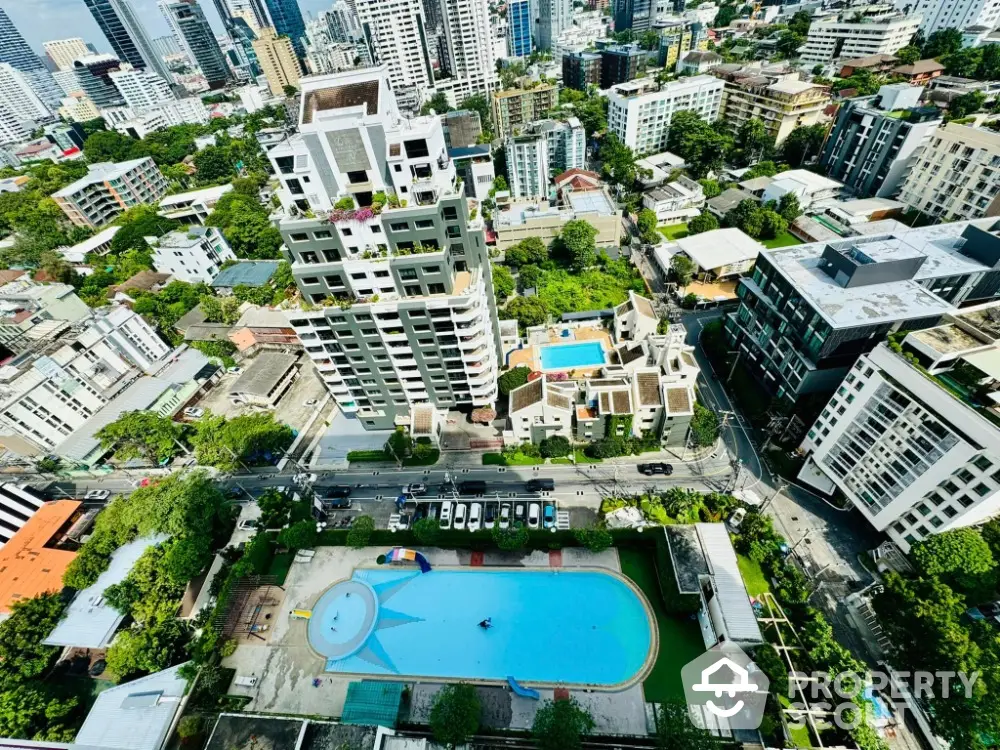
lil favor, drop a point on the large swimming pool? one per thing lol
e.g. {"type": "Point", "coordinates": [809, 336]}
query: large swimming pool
{"type": "Point", "coordinates": [568, 356]}
{"type": "Point", "coordinates": [584, 627]}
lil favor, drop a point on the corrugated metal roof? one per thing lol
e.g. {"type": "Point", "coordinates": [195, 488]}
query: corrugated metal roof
{"type": "Point", "coordinates": [119, 720]}
{"type": "Point", "coordinates": [247, 273]}
{"type": "Point", "coordinates": [373, 703]}
{"type": "Point", "coordinates": [89, 621]}
{"type": "Point", "coordinates": [734, 602]}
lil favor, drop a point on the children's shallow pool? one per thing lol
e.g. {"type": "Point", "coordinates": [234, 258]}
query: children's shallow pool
{"type": "Point", "coordinates": [568, 356]}
{"type": "Point", "coordinates": [572, 627]}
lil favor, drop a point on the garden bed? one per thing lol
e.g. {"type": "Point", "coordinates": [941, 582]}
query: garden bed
{"type": "Point", "coordinates": [785, 239]}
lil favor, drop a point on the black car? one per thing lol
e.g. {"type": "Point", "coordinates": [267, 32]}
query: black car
{"type": "Point", "coordinates": [472, 487]}
{"type": "Point", "coordinates": [657, 468]}
{"type": "Point", "coordinates": [541, 485]}
{"type": "Point", "coordinates": [338, 491]}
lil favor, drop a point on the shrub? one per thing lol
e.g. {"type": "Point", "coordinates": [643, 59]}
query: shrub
{"type": "Point", "coordinates": [557, 445]}
{"type": "Point", "coordinates": [427, 531]}
{"type": "Point", "coordinates": [509, 539]}
{"type": "Point", "coordinates": [361, 532]}
{"type": "Point", "coordinates": [595, 538]}
{"type": "Point", "coordinates": [228, 648]}
{"type": "Point", "coordinates": [511, 379]}
{"type": "Point", "coordinates": [455, 714]}
{"type": "Point", "coordinates": [189, 728]}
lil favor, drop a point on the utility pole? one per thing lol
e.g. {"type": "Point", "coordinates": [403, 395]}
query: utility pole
{"type": "Point", "coordinates": [804, 537]}
{"type": "Point", "coordinates": [781, 488]}
{"type": "Point", "coordinates": [733, 368]}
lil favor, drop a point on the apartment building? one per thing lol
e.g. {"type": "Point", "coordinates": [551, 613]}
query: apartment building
{"type": "Point", "coordinates": [397, 37]}
{"type": "Point", "coordinates": [63, 52]}
{"type": "Point", "coordinates": [94, 75]}
{"type": "Point", "coordinates": [581, 70]}
{"type": "Point", "coordinates": [859, 32]}
{"type": "Point", "coordinates": [466, 52]}
{"type": "Point", "coordinates": [621, 63]}
{"type": "Point", "coordinates": [956, 175]}
{"type": "Point", "coordinates": [12, 130]}
{"type": "Point", "coordinates": [875, 138]}
{"type": "Point", "coordinates": [675, 201]}
{"type": "Point", "coordinates": [678, 38]}
{"type": "Point", "coordinates": [544, 148]}
{"type": "Point", "coordinates": [586, 30]}
{"type": "Point", "coordinates": [141, 88]}
{"type": "Point", "coordinates": [897, 439]}
{"type": "Point", "coordinates": [960, 14]}
{"type": "Point", "coordinates": [277, 59]}
{"type": "Point", "coordinates": [513, 223]}
{"type": "Point", "coordinates": [194, 206]}
{"type": "Point", "coordinates": [514, 108]}
{"type": "Point", "coordinates": [401, 312]}
{"type": "Point", "coordinates": [553, 17]}
{"type": "Point", "coordinates": [808, 312]}
{"type": "Point", "coordinates": [109, 189]}
{"type": "Point", "coordinates": [140, 122]}
{"type": "Point", "coordinates": [639, 112]}
{"type": "Point", "coordinates": [18, 97]}
{"type": "Point", "coordinates": [30, 312]}
{"type": "Point", "coordinates": [772, 95]}
{"type": "Point", "coordinates": [194, 255]}
{"type": "Point", "coordinates": [519, 28]}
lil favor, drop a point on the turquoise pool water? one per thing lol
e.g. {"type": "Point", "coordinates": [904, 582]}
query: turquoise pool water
{"type": "Point", "coordinates": [568, 356]}
{"type": "Point", "coordinates": [575, 628]}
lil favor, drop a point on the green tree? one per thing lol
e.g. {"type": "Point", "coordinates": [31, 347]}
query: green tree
{"type": "Point", "coordinates": [530, 250]}
{"type": "Point", "coordinates": [437, 103]}
{"type": "Point", "coordinates": [22, 655]}
{"type": "Point", "coordinates": [747, 217]}
{"type": "Point", "coordinates": [966, 104]}
{"type": "Point", "coordinates": [561, 725]}
{"type": "Point", "coordinates": [142, 434]}
{"type": "Point", "coordinates": [31, 713]}
{"type": "Point", "coordinates": [244, 440]}
{"type": "Point", "coordinates": [555, 446]}
{"type": "Point", "coordinates": [213, 165]}
{"type": "Point", "coordinates": [725, 15]}
{"type": "Point", "coordinates": [753, 140]}
{"type": "Point", "coordinates": [618, 162]}
{"type": "Point", "coordinates": [246, 226]}
{"type": "Point", "coordinates": [503, 282]}
{"type": "Point", "coordinates": [683, 269]}
{"type": "Point", "coordinates": [800, 22]}
{"type": "Point", "coordinates": [528, 311]}
{"type": "Point", "coordinates": [110, 145]}
{"type": "Point", "coordinates": [529, 277]}
{"type": "Point", "coordinates": [48, 464]}
{"type": "Point", "coordinates": [153, 648]}
{"type": "Point", "coordinates": [908, 55]}
{"type": "Point", "coordinates": [704, 425]}
{"type": "Point", "coordinates": [702, 146]}
{"type": "Point", "coordinates": [512, 379]}
{"type": "Point", "coordinates": [479, 103]}
{"type": "Point", "coordinates": [789, 43]}
{"type": "Point", "coordinates": [595, 538]}
{"type": "Point", "coordinates": [220, 309]}
{"type": "Point", "coordinates": [789, 207]}
{"type": "Point", "coordinates": [577, 241]}
{"type": "Point", "coordinates": [514, 537]}
{"type": "Point", "coordinates": [427, 531]}
{"type": "Point", "coordinates": [942, 42]}
{"type": "Point", "coordinates": [674, 730]}
{"type": "Point", "coordinates": [301, 535]}
{"type": "Point", "coordinates": [803, 144]}
{"type": "Point", "coordinates": [500, 184]}
{"type": "Point", "coordinates": [455, 714]}
{"type": "Point", "coordinates": [646, 222]}
{"type": "Point", "coordinates": [772, 224]}
{"type": "Point", "coordinates": [703, 222]}
{"type": "Point", "coordinates": [361, 532]}
{"type": "Point", "coordinates": [711, 188]}
{"type": "Point", "coordinates": [956, 555]}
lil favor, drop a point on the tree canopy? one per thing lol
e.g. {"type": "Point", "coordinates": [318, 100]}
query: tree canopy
{"type": "Point", "coordinates": [142, 434]}
{"type": "Point", "coordinates": [513, 378]}
{"type": "Point", "coordinates": [703, 146]}
{"type": "Point", "coordinates": [577, 243]}
{"type": "Point", "coordinates": [561, 725]}
{"type": "Point", "coordinates": [246, 226]}
{"type": "Point", "coordinates": [244, 440]}
{"type": "Point", "coordinates": [455, 714]}
{"type": "Point", "coordinates": [803, 144]}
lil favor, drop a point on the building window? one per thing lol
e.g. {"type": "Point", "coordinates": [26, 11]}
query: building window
{"type": "Point", "coordinates": [298, 237]}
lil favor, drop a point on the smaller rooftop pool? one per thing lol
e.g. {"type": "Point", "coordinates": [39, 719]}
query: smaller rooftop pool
{"type": "Point", "coordinates": [570, 356]}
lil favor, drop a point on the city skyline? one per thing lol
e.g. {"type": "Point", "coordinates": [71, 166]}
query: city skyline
{"type": "Point", "coordinates": [37, 22]}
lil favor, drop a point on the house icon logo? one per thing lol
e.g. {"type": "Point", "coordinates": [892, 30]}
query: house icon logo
{"type": "Point", "coordinates": [724, 688]}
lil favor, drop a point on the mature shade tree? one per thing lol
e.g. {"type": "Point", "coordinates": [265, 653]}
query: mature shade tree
{"type": "Point", "coordinates": [30, 711]}
{"type": "Point", "coordinates": [772, 224]}
{"type": "Point", "coordinates": [699, 143]}
{"type": "Point", "coordinates": [220, 309]}
{"type": "Point", "coordinates": [301, 535]}
{"type": "Point", "coordinates": [153, 648]}
{"type": "Point", "coordinates": [142, 434]}
{"type": "Point", "coordinates": [512, 379]}
{"type": "Point", "coordinates": [561, 724]}
{"type": "Point", "coordinates": [528, 311]}
{"type": "Point", "coordinates": [960, 557]}
{"type": "Point", "coordinates": [966, 104]}
{"type": "Point", "coordinates": [703, 222]}
{"type": "Point", "coordinates": [455, 714]}
{"type": "Point", "coordinates": [942, 42]}
{"type": "Point", "coordinates": [437, 103]}
{"type": "Point", "coordinates": [711, 188]}
{"type": "Point", "coordinates": [704, 425]}
{"type": "Point", "coordinates": [789, 43]}
{"type": "Point", "coordinates": [618, 162]}
{"type": "Point", "coordinates": [244, 440]}
{"type": "Point", "coordinates": [746, 216]}
{"type": "Point", "coordinates": [479, 103]}
{"type": "Point", "coordinates": [503, 282]}
{"type": "Point", "coordinates": [110, 145]}
{"type": "Point", "coordinates": [789, 208]}
{"type": "Point", "coordinates": [577, 242]}
{"type": "Point", "coordinates": [803, 144]}
{"type": "Point", "coordinates": [725, 15]}
{"type": "Point", "coordinates": [683, 269]}
{"type": "Point", "coordinates": [800, 22]}
{"type": "Point", "coordinates": [246, 226]}
{"type": "Point", "coordinates": [213, 165]}
{"type": "Point", "coordinates": [674, 730]}
{"type": "Point", "coordinates": [646, 223]}
{"type": "Point", "coordinates": [22, 655]}
{"type": "Point", "coordinates": [531, 250]}
{"type": "Point", "coordinates": [908, 55]}
{"type": "Point", "coordinates": [555, 446]}
{"type": "Point", "coordinates": [529, 277]}
{"type": "Point", "coordinates": [761, 169]}
{"type": "Point", "coordinates": [753, 140]}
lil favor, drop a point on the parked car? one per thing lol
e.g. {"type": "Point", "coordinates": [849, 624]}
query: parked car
{"type": "Point", "coordinates": [473, 487]}
{"type": "Point", "coordinates": [657, 468]}
{"type": "Point", "coordinates": [235, 370]}
{"type": "Point", "coordinates": [549, 516]}
{"type": "Point", "coordinates": [737, 518]}
{"type": "Point", "coordinates": [311, 402]}
{"type": "Point", "coordinates": [541, 485]}
{"type": "Point", "coordinates": [519, 513]}
{"type": "Point", "coordinates": [475, 516]}
{"type": "Point", "coordinates": [533, 511]}
{"type": "Point", "coordinates": [337, 503]}
{"type": "Point", "coordinates": [97, 495]}
{"type": "Point", "coordinates": [403, 522]}
{"type": "Point", "coordinates": [194, 412]}
{"type": "Point", "coordinates": [415, 488]}
{"type": "Point", "coordinates": [333, 490]}
{"type": "Point", "coordinates": [491, 516]}
{"type": "Point", "coordinates": [247, 524]}
{"type": "Point", "coordinates": [445, 522]}
{"type": "Point", "coordinates": [460, 516]}
{"type": "Point", "coordinates": [505, 516]}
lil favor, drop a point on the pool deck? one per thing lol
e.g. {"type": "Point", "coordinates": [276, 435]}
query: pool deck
{"type": "Point", "coordinates": [531, 358]}
{"type": "Point", "coordinates": [286, 666]}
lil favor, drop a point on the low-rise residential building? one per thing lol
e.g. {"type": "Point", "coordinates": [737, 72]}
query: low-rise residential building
{"type": "Point", "coordinates": [639, 112]}
{"type": "Point", "coordinates": [696, 62]}
{"type": "Point", "coordinates": [194, 206]}
{"type": "Point", "coordinates": [513, 223]}
{"type": "Point", "coordinates": [541, 409]}
{"type": "Point", "coordinates": [515, 108]}
{"type": "Point", "coordinates": [541, 149]}
{"type": "Point", "coordinates": [263, 328]}
{"type": "Point", "coordinates": [914, 444]}
{"type": "Point", "coordinates": [874, 140]}
{"type": "Point", "coordinates": [810, 188]}
{"type": "Point", "coordinates": [774, 96]}
{"type": "Point", "coordinates": [474, 166]}
{"type": "Point", "coordinates": [678, 200]}
{"type": "Point", "coordinates": [266, 379]}
{"type": "Point", "coordinates": [109, 189]}
{"type": "Point", "coordinates": [659, 168]}
{"type": "Point", "coordinates": [635, 319]}
{"type": "Point", "coordinates": [727, 200]}
{"type": "Point", "coordinates": [880, 63]}
{"type": "Point", "coordinates": [920, 72]}
{"type": "Point", "coordinates": [581, 70]}
{"type": "Point", "coordinates": [945, 89]}
{"type": "Point", "coordinates": [809, 311]}
{"type": "Point", "coordinates": [858, 32]}
{"type": "Point", "coordinates": [621, 63]}
{"type": "Point", "coordinates": [194, 255]}
{"type": "Point", "coordinates": [956, 174]}
{"type": "Point", "coordinates": [720, 253]}
{"type": "Point", "coordinates": [253, 273]}
{"type": "Point", "coordinates": [31, 312]}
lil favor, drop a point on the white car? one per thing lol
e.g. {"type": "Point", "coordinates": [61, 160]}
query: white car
{"type": "Point", "coordinates": [194, 412]}
{"type": "Point", "coordinates": [533, 515]}
{"type": "Point", "coordinates": [235, 370]}
{"type": "Point", "coordinates": [505, 516]}
{"type": "Point", "coordinates": [304, 478]}
{"type": "Point", "coordinates": [311, 402]}
{"type": "Point", "coordinates": [97, 495]}
{"type": "Point", "coordinates": [445, 520]}
{"type": "Point", "coordinates": [460, 515]}
{"type": "Point", "coordinates": [247, 524]}
{"type": "Point", "coordinates": [475, 516]}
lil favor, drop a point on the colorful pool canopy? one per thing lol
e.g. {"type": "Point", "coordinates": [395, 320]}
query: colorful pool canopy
{"type": "Point", "coordinates": [402, 555]}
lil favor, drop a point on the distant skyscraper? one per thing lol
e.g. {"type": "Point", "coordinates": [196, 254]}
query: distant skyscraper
{"type": "Point", "coordinates": [16, 52]}
{"type": "Point", "coordinates": [277, 60]}
{"type": "Point", "coordinates": [126, 34]}
{"type": "Point", "coordinates": [286, 18]}
{"type": "Point", "coordinates": [519, 23]}
{"type": "Point", "coordinates": [553, 17]}
{"type": "Point", "coordinates": [467, 49]}
{"type": "Point", "coordinates": [167, 45]}
{"type": "Point", "coordinates": [191, 26]}
{"type": "Point", "coordinates": [397, 38]}
{"type": "Point", "coordinates": [17, 96]}
{"type": "Point", "coordinates": [94, 74]}
{"type": "Point", "coordinates": [64, 51]}
{"type": "Point", "coordinates": [637, 15]}
{"type": "Point", "coordinates": [254, 12]}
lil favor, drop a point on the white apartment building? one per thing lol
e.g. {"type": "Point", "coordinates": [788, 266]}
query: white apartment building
{"type": "Point", "coordinates": [402, 313]}
{"type": "Point", "coordinates": [141, 89]}
{"type": "Point", "coordinates": [543, 148]}
{"type": "Point", "coordinates": [956, 175]}
{"type": "Point", "coordinates": [194, 255]}
{"type": "Point", "coordinates": [467, 48]}
{"type": "Point", "coordinates": [396, 33]}
{"type": "Point", "coordinates": [878, 31]}
{"type": "Point", "coordinates": [110, 189]}
{"type": "Point", "coordinates": [679, 200]}
{"type": "Point", "coordinates": [914, 458]}
{"type": "Point", "coordinates": [194, 206]}
{"type": "Point", "coordinates": [64, 51]}
{"type": "Point", "coordinates": [31, 312]}
{"type": "Point", "coordinates": [12, 128]}
{"type": "Point", "coordinates": [639, 112]}
{"type": "Point", "coordinates": [68, 81]}
{"type": "Point", "coordinates": [958, 14]}
{"type": "Point", "coordinates": [79, 107]}
{"type": "Point", "coordinates": [582, 32]}
{"type": "Point", "coordinates": [18, 96]}
{"type": "Point", "coordinates": [140, 122]}
{"type": "Point", "coordinates": [553, 16]}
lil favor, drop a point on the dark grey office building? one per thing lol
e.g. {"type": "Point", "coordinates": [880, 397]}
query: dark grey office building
{"type": "Point", "coordinates": [94, 74]}
{"type": "Point", "coordinates": [126, 35]}
{"type": "Point", "coordinates": [199, 38]}
{"type": "Point", "coordinates": [581, 70]}
{"type": "Point", "coordinates": [637, 15]}
{"type": "Point", "coordinates": [621, 63]}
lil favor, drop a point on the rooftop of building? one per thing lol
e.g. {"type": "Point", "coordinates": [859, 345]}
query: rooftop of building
{"type": "Point", "coordinates": [869, 61]}
{"type": "Point", "coordinates": [648, 86]}
{"type": "Point", "coordinates": [143, 281]}
{"type": "Point", "coordinates": [204, 194]}
{"type": "Point", "coordinates": [182, 238]}
{"type": "Point", "coordinates": [92, 243]}
{"type": "Point", "coordinates": [730, 199]}
{"type": "Point", "coordinates": [101, 172]}
{"type": "Point", "coordinates": [246, 273]}
{"type": "Point", "coordinates": [30, 564]}
{"type": "Point", "coordinates": [920, 67]}
{"type": "Point", "coordinates": [265, 371]}
{"type": "Point", "coordinates": [719, 247]}
{"type": "Point", "coordinates": [533, 89]}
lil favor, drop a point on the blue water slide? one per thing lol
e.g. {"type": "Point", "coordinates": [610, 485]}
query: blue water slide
{"type": "Point", "coordinates": [524, 692]}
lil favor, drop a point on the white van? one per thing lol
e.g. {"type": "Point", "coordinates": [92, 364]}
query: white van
{"type": "Point", "coordinates": [475, 516]}
{"type": "Point", "coordinates": [533, 512]}
{"type": "Point", "coordinates": [459, 522]}
{"type": "Point", "coordinates": [445, 522]}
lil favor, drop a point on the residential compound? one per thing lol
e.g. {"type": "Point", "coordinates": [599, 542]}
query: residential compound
{"type": "Point", "coordinates": [772, 94]}
{"type": "Point", "coordinates": [956, 175]}
{"type": "Point", "coordinates": [874, 139]}
{"type": "Point", "coordinates": [110, 189]}
{"type": "Point", "coordinates": [912, 436]}
{"type": "Point", "coordinates": [639, 112]}
{"type": "Point", "coordinates": [649, 387]}
{"type": "Point", "coordinates": [401, 309]}
{"type": "Point", "coordinates": [542, 149]}
{"type": "Point", "coordinates": [194, 255]}
{"type": "Point", "coordinates": [808, 312]}
{"type": "Point", "coordinates": [515, 108]}
{"type": "Point", "coordinates": [31, 312]}
{"type": "Point", "coordinates": [859, 32]}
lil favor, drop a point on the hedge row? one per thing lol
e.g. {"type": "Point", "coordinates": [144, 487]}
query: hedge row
{"type": "Point", "coordinates": [482, 540]}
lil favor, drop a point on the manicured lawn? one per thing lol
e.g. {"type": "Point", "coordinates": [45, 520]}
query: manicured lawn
{"type": "Point", "coordinates": [753, 576]}
{"type": "Point", "coordinates": [674, 231]}
{"type": "Point", "coordinates": [785, 239]}
{"type": "Point", "coordinates": [280, 565]}
{"type": "Point", "coordinates": [581, 458]}
{"type": "Point", "coordinates": [517, 459]}
{"type": "Point", "coordinates": [680, 637]}
{"type": "Point", "coordinates": [597, 288]}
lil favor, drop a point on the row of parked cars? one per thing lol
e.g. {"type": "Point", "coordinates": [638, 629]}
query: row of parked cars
{"type": "Point", "coordinates": [475, 515]}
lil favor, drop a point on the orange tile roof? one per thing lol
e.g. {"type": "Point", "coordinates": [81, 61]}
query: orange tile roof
{"type": "Point", "coordinates": [27, 567]}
